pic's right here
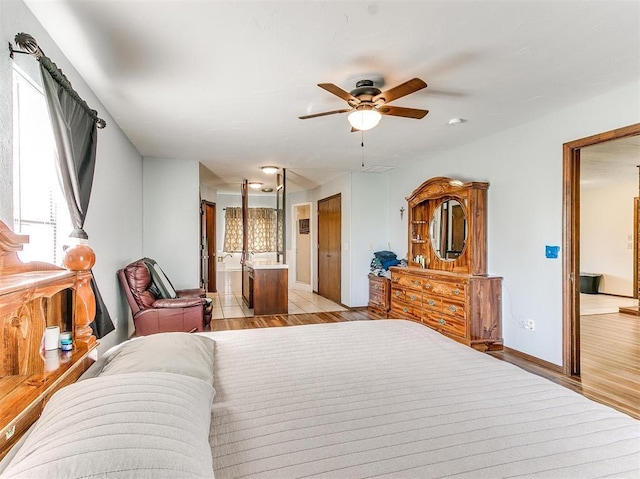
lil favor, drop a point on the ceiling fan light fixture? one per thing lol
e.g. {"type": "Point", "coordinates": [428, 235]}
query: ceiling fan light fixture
{"type": "Point", "coordinates": [364, 118]}
{"type": "Point", "coordinates": [269, 170]}
{"type": "Point", "coordinates": [256, 185]}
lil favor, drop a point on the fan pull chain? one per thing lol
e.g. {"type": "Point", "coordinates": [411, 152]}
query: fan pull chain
{"type": "Point", "coordinates": [362, 145]}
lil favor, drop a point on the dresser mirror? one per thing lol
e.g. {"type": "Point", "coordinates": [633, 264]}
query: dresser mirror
{"type": "Point", "coordinates": [448, 229]}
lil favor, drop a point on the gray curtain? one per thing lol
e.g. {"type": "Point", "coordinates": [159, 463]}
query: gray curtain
{"type": "Point", "coordinates": [75, 134]}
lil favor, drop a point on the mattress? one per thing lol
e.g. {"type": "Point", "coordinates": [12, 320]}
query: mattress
{"type": "Point", "coordinates": [392, 398]}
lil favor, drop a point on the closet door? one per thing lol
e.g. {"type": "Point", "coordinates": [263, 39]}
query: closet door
{"type": "Point", "coordinates": [329, 252]}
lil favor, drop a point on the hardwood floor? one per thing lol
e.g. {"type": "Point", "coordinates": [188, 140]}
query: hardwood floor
{"type": "Point", "coordinates": [610, 352]}
{"type": "Point", "coordinates": [610, 362]}
{"type": "Point", "coordinates": [290, 319]}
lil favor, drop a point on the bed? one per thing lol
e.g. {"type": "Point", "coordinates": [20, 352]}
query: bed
{"type": "Point", "coordinates": [384, 398]}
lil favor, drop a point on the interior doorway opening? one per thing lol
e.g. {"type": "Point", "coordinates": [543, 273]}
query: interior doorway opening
{"type": "Point", "coordinates": [571, 242]}
{"type": "Point", "coordinates": [301, 247]}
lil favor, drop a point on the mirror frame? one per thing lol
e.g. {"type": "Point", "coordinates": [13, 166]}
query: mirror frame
{"type": "Point", "coordinates": [450, 231]}
{"type": "Point", "coordinates": [421, 205]}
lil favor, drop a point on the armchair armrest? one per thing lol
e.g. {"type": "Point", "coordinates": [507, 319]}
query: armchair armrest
{"type": "Point", "coordinates": [177, 303]}
{"type": "Point", "coordinates": [191, 293]}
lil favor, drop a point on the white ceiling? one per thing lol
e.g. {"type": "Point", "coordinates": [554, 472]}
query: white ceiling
{"type": "Point", "coordinates": [223, 82]}
{"type": "Point", "coordinates": [612, 162]}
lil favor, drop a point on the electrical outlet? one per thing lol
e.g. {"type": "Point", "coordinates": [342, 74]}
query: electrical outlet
{"type": "Point", "coordinates": [531, 325]}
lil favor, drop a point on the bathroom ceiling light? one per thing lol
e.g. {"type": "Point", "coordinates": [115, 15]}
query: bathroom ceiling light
{"type": "Point", "coordinates": [256, 185]}
{"type": "Point", "coordinates": [269, 170]}
{"type": "Point", "coordinates": [267, 190]}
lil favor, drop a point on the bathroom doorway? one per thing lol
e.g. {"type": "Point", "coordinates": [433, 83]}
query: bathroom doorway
{"type": "Point", "coordinates": [301, 236]}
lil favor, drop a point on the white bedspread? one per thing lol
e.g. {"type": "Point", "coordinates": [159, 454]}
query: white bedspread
{"type": "Point", "coordinates": [392, 398]}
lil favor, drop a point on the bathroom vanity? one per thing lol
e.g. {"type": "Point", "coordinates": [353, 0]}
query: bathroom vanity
{"type": "Point", "coordinates": [265, 287]}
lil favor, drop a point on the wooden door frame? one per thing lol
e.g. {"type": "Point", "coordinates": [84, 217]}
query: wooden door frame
{"type": "Point", "coordinates": [571, 242]}
{"type": "Point", "coordinates": [636, 250]}
{"type": "Point", "coordinates": [211, 244]}
{"type": "Point", "coordinates": [337, 195]}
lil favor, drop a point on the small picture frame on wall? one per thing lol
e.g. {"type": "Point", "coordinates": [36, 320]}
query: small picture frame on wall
{"type": "Point", "coordinates": [303, 226]}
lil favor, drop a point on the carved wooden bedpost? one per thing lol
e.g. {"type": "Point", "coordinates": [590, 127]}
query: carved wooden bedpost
{"type": "Point", "coordinates": [80, 259]}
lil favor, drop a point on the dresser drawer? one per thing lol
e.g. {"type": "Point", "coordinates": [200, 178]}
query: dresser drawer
{"type": "Point", "coordinates": [432, 303]}
{"type": "Point", "coordinates": [454, 308]}
{"type": "Point", "coordinates": [410, 296]}
{"type": "Point", "coordinates": [378, 286]}
{"type": "Point", "coordinates": [379, 298]}
{"type": "Point", "coordinates": [406, 310]}
{"type": "Point", "coordinates": [454, 289]}
{"type": "Point", "coordinates": [407, 281]}
{"type": "Point", "coordinates": [447, 324]}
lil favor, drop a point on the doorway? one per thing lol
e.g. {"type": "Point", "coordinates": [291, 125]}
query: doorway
{"type": "Point", "coordinates": [571, 241]}
{"type": "Point", "coordinates": [329, 250]}
{"type": "Point", "coordinates": [302, 234]}
{"type": "Point", "coordinates": [208, 246]}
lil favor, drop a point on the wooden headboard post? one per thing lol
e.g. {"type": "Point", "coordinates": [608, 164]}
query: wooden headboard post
{"type": "Point", "coordinates": [80, 258]}
{"type": "Point", "coordinates": [33, 296]}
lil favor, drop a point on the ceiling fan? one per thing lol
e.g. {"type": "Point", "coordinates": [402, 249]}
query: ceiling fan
{"type": "Point", "coordinates": [367, 103]}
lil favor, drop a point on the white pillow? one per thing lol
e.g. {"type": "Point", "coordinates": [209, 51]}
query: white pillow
{"type": "Point", "coordinates": [138, 425]}
{"type": "Point", "coordinates": [179, 353]}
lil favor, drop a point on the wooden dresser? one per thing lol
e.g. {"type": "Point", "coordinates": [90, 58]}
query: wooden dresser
{"type": "Point", "coordinates": [32, 297]}
{"type": "Point", "coordinates": [379, 295]}
{"type": "Point", "coordinates": [465, 308]}
{"type": "Point", "coordinates": [446, 286]}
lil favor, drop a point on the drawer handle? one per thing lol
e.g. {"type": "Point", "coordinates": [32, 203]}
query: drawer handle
{"type": "Point", "coordinates": [427, 286]}
{"type": "Point", "coordinates": [416, 283]}
{"type": "Point", "coordinates": [413, 297]}
{"type": "Point", "coordinates": [456, 291]}
{"type": "Point", "coordinates": [405, 309]}
{"type": "Point", "coordinates": [431, 302]}
{"type": "Point", "coordinates": [398, 293]}
{"type": "Point", "coordinates": [377, 286]}
{"type": "Point", "coordinates": [453, 308]}
{"type": "Point", "coordinates": [442, 321]}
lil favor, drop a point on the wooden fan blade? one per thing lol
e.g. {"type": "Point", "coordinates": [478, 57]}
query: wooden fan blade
{"type": "Point", "coordinates": [339, 92]}
{"type": "Point", "coordinates": [404, 112]}
{"type": "Point", "coordinates": [401, 90]}
{"type": "Point", "coordinates": [344, 110]}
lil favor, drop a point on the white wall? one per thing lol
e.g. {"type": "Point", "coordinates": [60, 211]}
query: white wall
{"type": "Point", "coordinates": [114, 217]}
{"type": "Point", "coordinates": [365, 228]}
{"type": "Point", "coordinates": [172, 219]}
{"type": "Point", "coordinates": [606, 223]}
{"type": "Point", "coordinates": [370, 217]}
{"type": "Point", "coordinates": [524, 168]}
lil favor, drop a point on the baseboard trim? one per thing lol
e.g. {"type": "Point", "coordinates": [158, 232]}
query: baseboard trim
{"type": "Point", "coordinates": [632, 310]}
{"type": "Point", "coordinates": [532, 359]}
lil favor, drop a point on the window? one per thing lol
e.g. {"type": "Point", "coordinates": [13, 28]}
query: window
{"type": "Point", "coordinates": [261, 231]}
{"type": "Point", "coordinates": [39, 208]}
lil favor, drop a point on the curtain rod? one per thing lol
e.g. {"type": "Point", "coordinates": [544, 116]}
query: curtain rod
{"type": "Point", "coordinates": [29, 46]}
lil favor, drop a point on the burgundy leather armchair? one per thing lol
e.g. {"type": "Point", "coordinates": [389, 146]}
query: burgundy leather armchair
{"type": "Point", "coordinates": [154, 314]}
